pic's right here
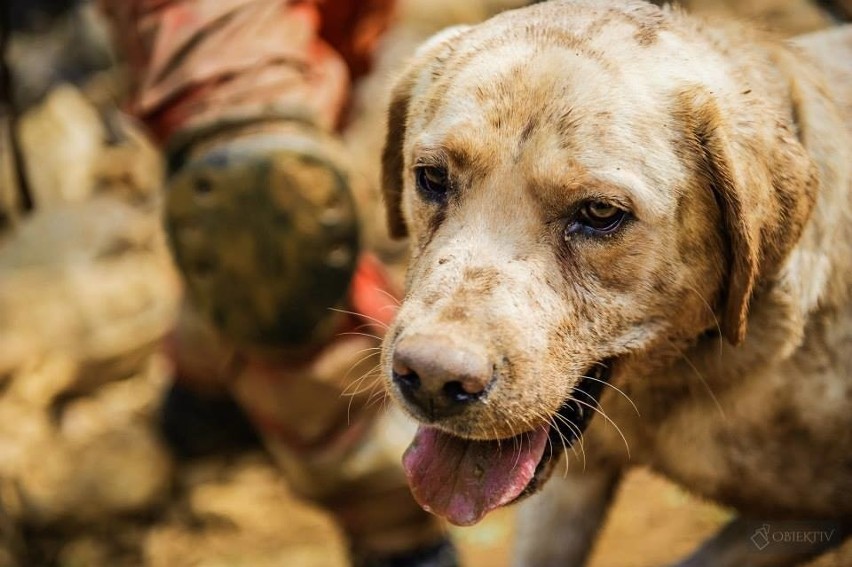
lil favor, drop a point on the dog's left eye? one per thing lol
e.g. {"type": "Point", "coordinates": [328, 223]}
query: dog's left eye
{"type": "Point", "coordinates": [433, 183]}
{"type": "Point", "coordinates": [596, 218]}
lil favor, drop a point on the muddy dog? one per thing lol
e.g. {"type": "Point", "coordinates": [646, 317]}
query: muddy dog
{"type": "Point", "coordinates": [631, 239]}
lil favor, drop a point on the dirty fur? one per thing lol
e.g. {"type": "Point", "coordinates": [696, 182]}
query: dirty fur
{"type": "Point", "coordinates": [724, 301]}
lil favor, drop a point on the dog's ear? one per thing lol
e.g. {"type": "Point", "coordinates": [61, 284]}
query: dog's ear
{"type": "Point", "coordinates": [422, 70]}
{"type": "Point", "coordinates": [393, 166]}
{"type": "Point", "coordinates": [765, 185]}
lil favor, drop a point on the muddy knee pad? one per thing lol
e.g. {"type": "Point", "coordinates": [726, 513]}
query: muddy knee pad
{"type": "Point", "coordinates": [265, 231]}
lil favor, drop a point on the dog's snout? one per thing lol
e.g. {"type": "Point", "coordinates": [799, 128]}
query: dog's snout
{"type": "Point", "coordinates": [440, 375]}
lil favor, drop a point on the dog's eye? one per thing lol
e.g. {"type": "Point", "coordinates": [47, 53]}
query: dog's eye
{"type": "Point", "coordinates": [597, 218]}
{"type": "Point", "coordinates": [433, 183]}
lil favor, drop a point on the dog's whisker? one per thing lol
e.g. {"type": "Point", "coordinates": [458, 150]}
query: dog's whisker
{"type": "Point", "coordinates": [551, 423]}
{"type": "Point", "coordinates": [605, 416]}
{"type": "Point", "coordinates": [368, 349]}
{"type": "Point", "coordinates": [380, 393]}
{"type": "Point", "coordinates": [378, 322]}
{"type": "Point", "coordinates": [368, 325]}
{"type": "Point", "coordinates": [712, 314]}
{"type": "Point", "coordinates": [564, 455]}
{"type": "Point", "coordinates": [379, 396]}
{"type": "Point", "coordinates": [529, 426]}
{"type": "Point", "coordinates": [356, 365]}
{"type": "Point", "coordinates": [389, 295]}
{"type": "Point", "coordinates": [617, 389]}
{"type": "Point", "coordinates": [549, 440]}
{"type": "Point", "coordinates": [357, 383]}
{"type": "Point", "coordinates": [555, 427]}
{"type": "Point", "coordinates": [519, 445]}
{"type": "Point", "coordinates": [366, 353]}
{"type": "Point", "coordinates": [364, 389]}
{"type": "Point", "coordinates": [518, 451]}
{"type": "Point", "coordinates": [349, 391]}
{"type": "Point", "coordinates": [349, 405]}
{"type": "Point", "coordinates": [382, 397]}
{"type": "Point", "coordinates": [360, 334]}
{"type": "Point", "coordinates": [700, 376]}
{"type": "Point", "coordinates": [377, 386]}
{"type": "Point", "coordinates": [579, 435]}
{"type": "Point", "coordinates": [516, 445]}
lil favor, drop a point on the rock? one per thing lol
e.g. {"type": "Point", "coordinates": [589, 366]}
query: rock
{"type": "Point", "coordinates": [87, 293]}
{"type": "Point", "coordinates": [61, 171]}
{"type": "Point", "coordinates": [81, 459]}
{"type": "Point", "coordinates": [89, 271]}
{"type": "Point", "coordinates": [243, 514]}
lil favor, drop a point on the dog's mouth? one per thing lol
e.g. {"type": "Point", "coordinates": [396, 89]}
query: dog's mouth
{"type": "Point", "coordinates": [463, 479]}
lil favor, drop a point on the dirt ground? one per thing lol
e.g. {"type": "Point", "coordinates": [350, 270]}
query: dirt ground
{"type": "Point", "coordinates": [246, 517]}
{"type": "Point", "coordinates": [652, 523]}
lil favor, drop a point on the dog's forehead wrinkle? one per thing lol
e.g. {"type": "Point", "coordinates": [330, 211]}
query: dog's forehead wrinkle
{"type": "Point", "coordinates": [517, 74]}
{"type": "Point", "coordinates": [504, 67]}
{"type": "Point", "coordinates": [491, 84]}
{"type": "Point", "coordinates": [531, 168]}
{"type": "Point", "coordinates": [577, 25]}
{"type": "Point", "coordinates": [588, 31]}
{"type": "Point", "coordinates": [552, 132]}
{"type": "Point", "coordinates": [558, 179]}
{"type": "Point", "coordinates": [456, 146]}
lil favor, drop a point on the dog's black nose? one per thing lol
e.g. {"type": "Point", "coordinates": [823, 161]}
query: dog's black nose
{"type": "Point", "coordinates": [440, 375]}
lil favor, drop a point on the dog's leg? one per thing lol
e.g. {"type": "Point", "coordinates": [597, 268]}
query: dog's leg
{"type": "Point", "coordinates": [739, 543]}
{"type": "Point", "coordinates": [557, 527]}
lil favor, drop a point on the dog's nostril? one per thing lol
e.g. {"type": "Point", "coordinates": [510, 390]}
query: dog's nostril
{"type": "Point", "coordinates": [400, 367]}
{"type": "Point", "coordinates": [440, 375]}
{"type": "Point", "coordinates": [457, 392]}
{"type": "Point", "coordinates": [404, 377]}
{"type": "Point", "coordinates": [408, 381]}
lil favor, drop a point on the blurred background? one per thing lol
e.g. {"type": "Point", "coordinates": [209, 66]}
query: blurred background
{"type": "Point", "coordinates": [195, 277]}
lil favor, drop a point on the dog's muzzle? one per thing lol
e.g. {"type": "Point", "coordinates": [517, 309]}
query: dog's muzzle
{"type": "Point", "coordinates": [463, 479]}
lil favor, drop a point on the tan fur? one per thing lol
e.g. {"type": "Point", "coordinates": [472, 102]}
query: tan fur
{"type": "Point", "coordinates": [733, 152]}
{"type": "Point", "coordinates": [790, 17]}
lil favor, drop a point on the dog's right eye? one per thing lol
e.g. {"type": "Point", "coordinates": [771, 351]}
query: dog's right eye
{"type": "Point", "coordinates": [433, 183]}
{"type": "Point", "coordinates": [597, 218]}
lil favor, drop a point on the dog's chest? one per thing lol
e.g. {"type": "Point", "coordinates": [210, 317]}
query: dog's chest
{"type": "Point", "coordinates": [778, 444]}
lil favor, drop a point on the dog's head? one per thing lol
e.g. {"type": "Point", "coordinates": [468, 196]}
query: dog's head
{"type": "Point", "coordinates": [583, 183]}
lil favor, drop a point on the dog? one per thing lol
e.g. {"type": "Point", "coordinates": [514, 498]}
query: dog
{"type": "Point", "coordinates": [631, 244]}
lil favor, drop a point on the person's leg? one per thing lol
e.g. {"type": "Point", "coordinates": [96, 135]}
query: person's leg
{"type": "Point", "coordinates": [245, 96]}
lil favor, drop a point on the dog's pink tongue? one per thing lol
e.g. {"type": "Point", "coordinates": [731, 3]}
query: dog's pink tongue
{"type": "Point", "coordinates": [463, 480]}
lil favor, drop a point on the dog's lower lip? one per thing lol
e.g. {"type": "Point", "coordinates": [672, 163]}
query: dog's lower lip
{"type": "Point", "coordinates": [577, 411]}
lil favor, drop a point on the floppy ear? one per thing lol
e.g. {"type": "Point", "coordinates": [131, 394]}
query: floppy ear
{"type": "Point", "coordinates": [422, 69]}
{"type": "Point", "coordinates": [765, 185]}
{"type": "Point", "coordinates": [393, 165]}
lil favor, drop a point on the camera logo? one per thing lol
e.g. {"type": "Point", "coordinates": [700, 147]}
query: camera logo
{"type": "Point", "coordinates": [760, 538]}
{"type": "Point", "coordinates": [794, 536]}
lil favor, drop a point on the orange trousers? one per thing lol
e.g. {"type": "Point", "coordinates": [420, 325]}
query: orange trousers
{"type": "Point", "coordinates": [193, 62]}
